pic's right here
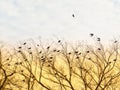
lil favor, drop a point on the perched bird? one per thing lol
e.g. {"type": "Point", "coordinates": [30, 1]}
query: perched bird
{"type": "Point", "coordinates": [23, 80]}
{"type": "Point", "coordinates": [115, 41]}
{"type": "Point", "coordinates": [8, 64]}
{"type": "Point", "coordinates": [115, 60]}
{"type": "Point", "coordinates": [87, 51]}
{"type": "Point", "coordinates": [58, 50]}
{"type": "Point", "coordinates": [7, 59]}
{"type": "Point", "coordinates": [19, 47]}
{"type": "Point", "coordinates": [89, 58]}
{"type": "Point", "coordinates": [73, 15]}
{"type": "Point", "coordinates": [51, 57]}
{"type": "Point", "coordinates": [76, 52]}
{"type": "Point", "coordinates": [79, 53]}
{"type": "Point", "coordinates": [20, 63]}
{"type": "Point", "coordinates": [24, 43]}
{"type": "Point", "coordinates": [99, 48]}
{"type": "Point", "coordinates": [21, 70]}
{"type": "Point", "coordinates": [54, 50]}
{"type": "Point", "coordinates": [59, 41]}
{"type": "Point", "coordinates": [19, 51]}
{"type": "Point", "coordinates": [29, 48]}
{"type": "Point", "coordinates": [69, 53]}
{"type": "Point", "coordinates": [48, 47]}
{"type": "Point", "coordinates": [25, 59]}
{"type": "Point", "coordinates": [77, 57]}
{"type": "Point", "coordinates": [30, 52]}
{"type": "Point", "coordinates": [40, 52]}
{"type": "Point", "coordinates": [38, 45]}
{"type": "Point", "coordinates": [16, 63]}
{"type": "Point", "coordinates": [98, 39]}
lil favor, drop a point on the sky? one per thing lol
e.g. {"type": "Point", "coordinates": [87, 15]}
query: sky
{"type": "Point", "coordinates": [24, 19]}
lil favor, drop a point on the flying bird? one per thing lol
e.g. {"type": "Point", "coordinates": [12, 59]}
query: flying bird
{"type": "Point", "coordinates": [91, 34]}
{"type": "Point", "coordinates": [73, 15]}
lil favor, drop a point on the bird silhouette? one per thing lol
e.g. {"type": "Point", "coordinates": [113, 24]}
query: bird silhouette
{"type": "Point", "coordinates": [48, 47]}
{"type": "Point", "coordinates": [73, 15]}
{"type": "Point", "coordinates": [91, 34]}
{"type": "Point", "coordinates": [98, 39]}
{"type": "Point", "coordinates": [24, 43]}
{"type": "Point", "coordinates": [59, 41]}
{"type": "Point", "coordinates": [115, 41]}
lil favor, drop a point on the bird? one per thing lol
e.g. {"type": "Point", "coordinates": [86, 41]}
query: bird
{"type": "Point", "coordinates": [59, 41]}
{"type": "Point", "coordinates": [115, 41]}
{"type": "Point", "coordinates": [38, 45]}
{"type": "Point", "coordinates": [98, 39]}
{"type": "Point", "coordinates": [48, 47]}
{"type": "Point", "coordinates": [114, 59]}
{"type": "Point", "coordinates": [99, 48]}
{"type": "Point", "coordinates": [24, 43]}
{"type": "Point", "coordinates": [19, 51]}
{"type": "Point", "coordinates": [91, 34]}
{"type": "Point", "coordinates": [76, 51]}
{"type": "Point", "coordinates": [73, 15]}
{"type": "Point", "coordinates": [30, 52]}
{"type": "Point", "coordinates": [19, 47]}
{"type": "Point", "coordinates": [87, 51]}
{"type": "Point", "coordinates": [29, 48]}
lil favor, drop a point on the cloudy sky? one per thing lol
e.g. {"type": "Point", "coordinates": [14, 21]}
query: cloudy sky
{"type": "Point", "coordinates": [22, 19]}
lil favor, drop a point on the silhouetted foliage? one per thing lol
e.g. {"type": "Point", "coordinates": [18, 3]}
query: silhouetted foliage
{"type": "Point", "coordinates": [60, 66]}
